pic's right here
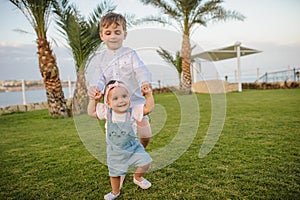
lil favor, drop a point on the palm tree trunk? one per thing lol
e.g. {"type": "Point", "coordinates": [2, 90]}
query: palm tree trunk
{"type": "Point", "coordinates": [180, 80]}
{"type": "Point", "coordinates": [50, 73]}
{"type": "Point", "coordinates": [80, 99]}
{"type": "Point", "coordinates": [186, 81]}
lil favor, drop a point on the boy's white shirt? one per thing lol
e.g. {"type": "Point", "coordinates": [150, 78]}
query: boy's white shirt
{"type": "Point", "coordinates": [124, 65]}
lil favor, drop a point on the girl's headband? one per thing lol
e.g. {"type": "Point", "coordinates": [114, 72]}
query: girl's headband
{"type": "Point", "coordinates": [111, 86]}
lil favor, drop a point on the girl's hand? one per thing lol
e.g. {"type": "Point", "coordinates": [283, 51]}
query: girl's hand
{"type": "Point", "coordinates": [146, 88]}
{"type": "Point", "coordinates": [94, 93]}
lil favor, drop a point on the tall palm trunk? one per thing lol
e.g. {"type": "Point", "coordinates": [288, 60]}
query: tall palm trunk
{"type": "Point", "coordinates": [50, 73]}
{"type": "Point", "coordinates": [80, 99]}
{"type": "Point", "coordinates": [186, 81]}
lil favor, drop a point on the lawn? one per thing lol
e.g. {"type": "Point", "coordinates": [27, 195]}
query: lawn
{"type": "Point", "coordinates": [257, 155]}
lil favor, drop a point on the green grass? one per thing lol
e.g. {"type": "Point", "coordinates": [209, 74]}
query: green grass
{"type": "Point", "coordinates": [257, 155]}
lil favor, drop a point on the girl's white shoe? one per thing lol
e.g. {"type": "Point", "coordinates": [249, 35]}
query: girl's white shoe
{"type": "Point", "coordinates": [111, 196]}
{"type": "Point", "coordinates": [144, 184]}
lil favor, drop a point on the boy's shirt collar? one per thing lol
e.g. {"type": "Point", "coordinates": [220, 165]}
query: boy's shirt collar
{"type": "Point", "coordinates": [116, 52]}
{"type": "Point", "coordinates": [122, 51]}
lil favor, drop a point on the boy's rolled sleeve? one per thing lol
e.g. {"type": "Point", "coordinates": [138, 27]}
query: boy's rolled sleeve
{"type": "Point", "coordinates": [142, 73]}
{"type": "Point", "coordinates": [97, 77]}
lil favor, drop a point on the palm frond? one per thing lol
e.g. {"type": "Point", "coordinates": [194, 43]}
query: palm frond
{"type": "Point", "coordinates": [37, 13]}
{"type": "Point", "coordinates": [223, 15]}
{"type": "Point", "coordinates": [212, 11]}
{"type": "Point", "coordinates": [154, 19]}
{"type": "Point", "coordinates": [131, 19]}
{"type": "Point", "coordinates": [188, 13]}
{"type": "Point", "coordinates": [101, 9]}
{"type": "Point", "coordinates": [82, 35]}
{"type": "Point", "coordinates": [169, 58]}
{"type": "Point", "coordinates": [22, 31]}
{"type": "Point", "coordinates": [166, 56]}
{"type": "Point", "coordinates": [166, 7]}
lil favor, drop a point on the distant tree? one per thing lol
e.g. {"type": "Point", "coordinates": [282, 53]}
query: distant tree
{"type": "Point", "coordinates": [38, 15]}
{"type": "Point", "coordinates": [83, 38]}
{"type": "Point", "coordinates": [176, 60]}
{"type": "Point", "coordinates": [187, 14]}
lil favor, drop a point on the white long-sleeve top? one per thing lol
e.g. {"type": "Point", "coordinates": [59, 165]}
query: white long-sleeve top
{"type": "Point", "coordinates": [123, 65]}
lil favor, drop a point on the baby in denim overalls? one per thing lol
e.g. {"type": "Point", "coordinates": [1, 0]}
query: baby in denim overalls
{"type": "Point", "coordinates": [123, 147]}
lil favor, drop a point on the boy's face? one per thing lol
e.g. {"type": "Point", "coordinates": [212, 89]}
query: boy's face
{"type": "Point", "coordinates": [118, 99]}
{"type": "Point", "coordinates": [113, 36]}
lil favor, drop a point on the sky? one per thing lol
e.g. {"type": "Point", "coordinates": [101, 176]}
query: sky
{"type": "Point", "coordinates": [271, 26]}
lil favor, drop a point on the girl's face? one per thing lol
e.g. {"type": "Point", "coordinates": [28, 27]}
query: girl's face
{"type": "Point", "coordinates": [118, 99]}
{"type": "Point", "coordinates": [113, 36]}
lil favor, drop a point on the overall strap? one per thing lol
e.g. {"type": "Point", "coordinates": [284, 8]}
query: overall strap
{"type": "Point", "coordinates": [109, 115]}
{"type": "Point", "coordinates": [128, 114]}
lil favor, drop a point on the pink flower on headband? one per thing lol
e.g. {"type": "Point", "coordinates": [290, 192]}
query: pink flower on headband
{"type": "Point", "coordinates": [111, 86]}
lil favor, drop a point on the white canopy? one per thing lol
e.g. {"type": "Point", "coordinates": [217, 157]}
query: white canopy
{"type": "Point", "coordinates": [233, 51]}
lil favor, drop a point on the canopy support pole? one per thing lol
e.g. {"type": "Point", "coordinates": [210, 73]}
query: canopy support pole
{"type": "Point", "coordinates": [238, 55]}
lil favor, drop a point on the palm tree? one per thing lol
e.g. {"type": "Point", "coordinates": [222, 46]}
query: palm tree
{"type": "Point", "coordinates": [175, 61]}
{"type": "Point", "coordinates": [187, 14]}
{"type": "Point", "coordinates": [83, 38]}
{"type": "Point", "coordinates": [38, 13]}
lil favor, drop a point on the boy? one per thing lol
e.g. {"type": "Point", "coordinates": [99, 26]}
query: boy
{"type": "Point", "coordinates": [121, 63]}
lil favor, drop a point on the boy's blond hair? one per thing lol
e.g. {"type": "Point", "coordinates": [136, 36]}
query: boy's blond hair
{"type": "Point", "coordinates": [112, 18]}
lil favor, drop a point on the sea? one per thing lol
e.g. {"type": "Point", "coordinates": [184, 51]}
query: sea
{"type": "Point", "coordinates": [31, 96]}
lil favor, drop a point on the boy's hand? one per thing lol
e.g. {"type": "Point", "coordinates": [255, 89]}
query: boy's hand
{"type": "Point", "coordinates": [146, 88]}
{"type": "Point", "coordinates": [94, 93]}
